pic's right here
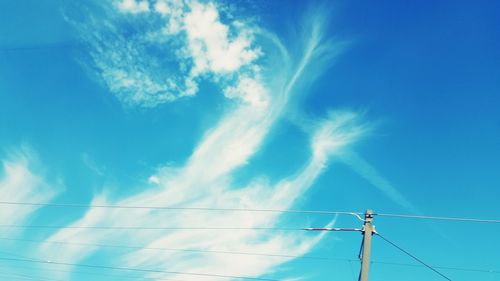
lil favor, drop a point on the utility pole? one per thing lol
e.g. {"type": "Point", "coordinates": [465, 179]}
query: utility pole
{"type": "Point", "coordinates": [367, 231]}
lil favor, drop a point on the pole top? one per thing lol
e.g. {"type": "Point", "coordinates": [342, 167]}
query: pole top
{"type": "Point", "coordinates": [368, 216]}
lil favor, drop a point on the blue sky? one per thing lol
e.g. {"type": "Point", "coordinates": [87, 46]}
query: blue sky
{"type": "Point", "coordinates": [341, 106]}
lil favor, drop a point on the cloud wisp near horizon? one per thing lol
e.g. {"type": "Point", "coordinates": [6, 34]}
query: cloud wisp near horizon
{"type": "Point", "coordinates": [168, 51]}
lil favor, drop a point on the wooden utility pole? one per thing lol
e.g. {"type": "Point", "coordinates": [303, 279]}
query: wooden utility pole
{"type": "Point", "coordinates": [368, 230]}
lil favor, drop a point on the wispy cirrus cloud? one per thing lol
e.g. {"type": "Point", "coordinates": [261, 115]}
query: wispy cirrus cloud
{"type": "Point", "coordinates": [170, 47]}
{"type": "Point", "coordinates": [373, 176]}
{"type": "Point", "coordinates": [21, 182]}
{"type": "Point", "coordinates": [195, 185]}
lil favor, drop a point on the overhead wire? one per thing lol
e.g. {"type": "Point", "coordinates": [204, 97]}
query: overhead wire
{"type": "Point", "coordinates": [173, 208]}
{"type": "Point", "coordinates": [350, 260]}
{"type": "Point", "coordinates": [150, 227]}
{"type": "Point", "coordinates": [492, 271]}
{"type": "Point", "coordinates": [181, 208]}
{"type": "Point", "coordinates": [169, 249]}
{"type": "Point", "coordinates": [438, 218]}
{"type": "Point", "coordinates": [322, 212]}
{"type": "Point", "coordinates": [136, 269]}
{"type": "Point", "coordinates": [137, 247]}
{"type": "Point", "coordinates": [82, 272]}
{"type": "Point", "coordinates": [413, 256]}
{"type": "Point", "coordinates": [12, 276]}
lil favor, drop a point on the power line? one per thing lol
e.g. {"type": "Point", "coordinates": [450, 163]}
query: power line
{"type": "Point", "coordinates": [28, 277]}
{"type": "Point", "coordinates": [151, 227]}
{"type": "Point", "coordinates": [181, 208]}
{"type": "Point", "coordinates": [441, 267]}
{"type": "Point", "coordinates": [414, 257]}
{"type": "Point", "coordinates": [171, 249]}
{"type": "Point", "coordinates": [491, 271]}
{"type": "Point", "coordinates": [440, 218]}
{"type": "Point", "coordinates": [12, 276]}
{"type": "Point", "coordinates": [173, 208]}
{"type": "Point", "coordinates": [137, 269]}
{"type": "Point", "coordinates": [84, 272]}
{"type": "Point", "coordinates": [350, 260]}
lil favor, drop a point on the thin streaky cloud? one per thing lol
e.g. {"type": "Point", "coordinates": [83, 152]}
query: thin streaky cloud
{"type": "Point", "coordinates": [22, 183]}
{"type": "Point", "coordinates": [242, 61]}
{"type": "Point", "coordinates": [371, 174]}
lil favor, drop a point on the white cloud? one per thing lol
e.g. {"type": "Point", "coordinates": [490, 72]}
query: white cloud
{"type": "Point", "coordinates": [224, 52]}
{"type": "Point", "coordinates": [164, 59]}
{"type": "Point", "coordinates": [211, 48]}
{"type": "Point", "coordinates": [133, 6]}
{"type": "Point", "coordinates": [341, 128]}
{"type": "Point", "coordinates": [250, 90]}
{"type": "Point", "coordinates": [154, 180]}
{"type": "Point", "coordinates": [173, 11]}
{"type": "Point", "coordinates": [21, 184]}
{"type": "Point", "coordinates": [204, 182]}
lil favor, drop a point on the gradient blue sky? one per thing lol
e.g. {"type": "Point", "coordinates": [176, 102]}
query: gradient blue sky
{"type": "Point", "coordinates": [397, 109]}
